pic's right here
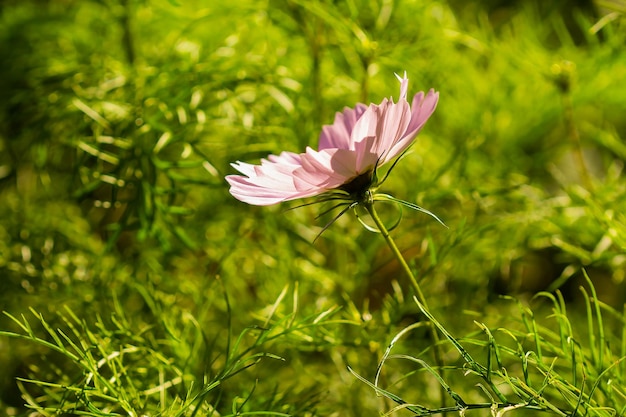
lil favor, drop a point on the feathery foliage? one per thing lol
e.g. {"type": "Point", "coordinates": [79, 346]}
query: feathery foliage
{"type": "Point", "coordinates": [134, 284]}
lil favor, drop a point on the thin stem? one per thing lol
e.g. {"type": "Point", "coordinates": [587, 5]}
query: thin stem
{"type": "Point", "coordinates": [127, 37]}
{"type": "Point", "coordinates": [394, 249]}
{"type": "Point", "coordinates": [369, 206]}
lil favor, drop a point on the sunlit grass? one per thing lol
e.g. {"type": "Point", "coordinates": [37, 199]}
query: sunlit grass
{"type": "Point", "coordinates": [134, 284]}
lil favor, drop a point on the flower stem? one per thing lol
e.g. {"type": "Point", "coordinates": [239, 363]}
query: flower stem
{"type": "Point", "coordinates": [394, 249]}
{"type": "Point", "coordinates": [369, 206]}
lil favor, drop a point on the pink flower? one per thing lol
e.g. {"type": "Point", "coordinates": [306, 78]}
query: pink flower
{"type": "Point", "coordinates": [350, 150]}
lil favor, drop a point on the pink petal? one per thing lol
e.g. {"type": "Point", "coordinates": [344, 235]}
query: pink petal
{"type": "Point", "coordinates": [422, 109]}
{"type": "Point", "coordinates": [243, 191]}
{"type": "Point", "coordinates": [268, 183]}
{"type": "Point", "coordinates": [252, 193]}
{"type": "Point", "coordinates": [366, 157]}
{"type": "Point", "coordinates": [404, 85]}
{"type": "Point", "coordinates": [285, 158]}
{"type": "Point", "coordinates": [244, 168]}
{"type": "Point", "coordinates": [332, 168]}
{"type": "Point", "coordinates": [337, 135]}
{"type": "Point", "coordinates": [391, 127]}
{"type": "Point", "coordinates": [318, 171]}
{"type": "Point", "coordinates": [351, 163]}
{"type": "Point", "coordinates": [367, 123]}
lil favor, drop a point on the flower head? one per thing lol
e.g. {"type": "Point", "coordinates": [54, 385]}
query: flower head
{"type": "Point", "coordinates": [360, 140]}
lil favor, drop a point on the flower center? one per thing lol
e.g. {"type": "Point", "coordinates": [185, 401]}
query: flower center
{"type": "Point", "coordinates": [358, 185]}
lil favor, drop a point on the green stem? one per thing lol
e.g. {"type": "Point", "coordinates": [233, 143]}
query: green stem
{"type": "Point", "coordinates": [127, 37]}
{"type": "Point", "coordinates": [394, 249]}
{"type": "Point", "coordinates": [369, 206]}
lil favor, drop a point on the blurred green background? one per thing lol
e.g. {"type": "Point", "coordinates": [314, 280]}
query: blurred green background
{"type": "Point", "coordinates": [118, 122]}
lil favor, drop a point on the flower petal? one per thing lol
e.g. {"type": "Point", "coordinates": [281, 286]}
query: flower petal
{"type": "Point", "coordinates": [404, 85]}
{"type": "Point", "coordinates": [391, 127]}
{"type": "Point", "coordinates": [286, 158]}
{"type": "Point", "coordinates": [366, 158]}
{"type": "Point", "coordinates": [366, 125]}
{"type": "Point", "coordinates": [332, 168]}
{"type": "Point", "coordinates": [269, 183]}
{"type": "Point", "coordinates": [421, 110]}
{"type": "Point", "coordinates": [243, 190]}
{"type": "Point", "coordinates": [337, 135]}
{"type": "Point", "coordinates": [318, 170]}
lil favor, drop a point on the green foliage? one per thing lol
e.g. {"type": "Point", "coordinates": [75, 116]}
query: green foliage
{"type": "Point", "coordinates": [134, 284]}
{"type": "Point", "coordinates": [560, 366]}
{"type": "Point", "coordinates": [173, 367]}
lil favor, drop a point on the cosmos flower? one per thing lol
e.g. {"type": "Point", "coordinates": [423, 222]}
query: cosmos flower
{"type": "Point", "coordinates": [360, 140]}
